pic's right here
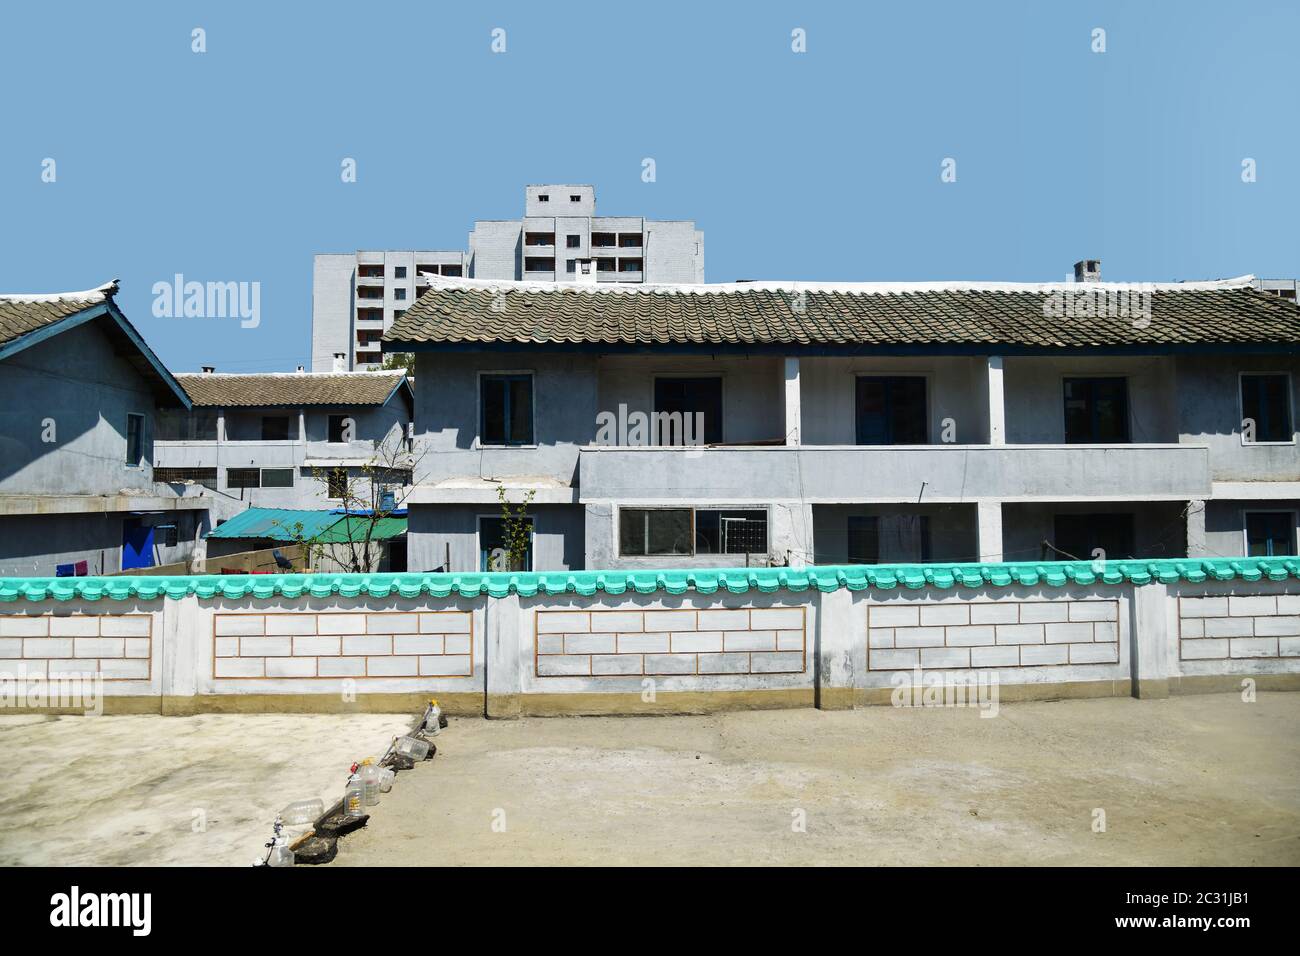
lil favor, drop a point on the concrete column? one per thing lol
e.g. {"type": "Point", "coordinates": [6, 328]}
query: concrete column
{"type": "Point", "coordinates": [997, 402]}
{"type": "Point", "coordinates": [793, 410]}
{"type": "Point", "coordinates": [1196, 547]}
{"type": "Point", "coordinates": [1149, 641]}
{"type": "Point", "coordinates": [989, 517]}
{"type": "Point", "coordinates": [840, 644]}
{"type": "Point", "coordinates": [503, 652]}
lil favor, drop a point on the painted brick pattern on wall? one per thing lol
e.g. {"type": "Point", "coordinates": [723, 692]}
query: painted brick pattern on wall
{"type": "Point", "coordinates": [343, 644]}
{"type": "Point", "coordinates": [992, 634]}
{"type": "Point", "coordinates": [1242, 627]}
{"type": "Point", "coordinates": [603, 643]}
{"type": "Point", "coordinates": [118, 646]}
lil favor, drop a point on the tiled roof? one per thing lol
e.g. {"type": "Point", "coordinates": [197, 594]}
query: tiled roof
{"type": "Point", "coordinates": [290, 388]}
{"type": "Point", "coordinates": [21, 314]}
{"type": "Point", "coordinates": [1030, 315]}
{"type": "Point", "coordinates": [825, 578]}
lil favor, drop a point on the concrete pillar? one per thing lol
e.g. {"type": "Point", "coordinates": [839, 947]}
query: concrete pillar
{"type": "Point", "coordinates": [1196, 547]}
{"type": "Point", "coordinates": [841, 650]}
{"type": "Point", "coordinates": [989, 517]}
{"type": "Point", "coordinates": [1149, 641]}
{"type": "Point", "coordinates": [792, 401]}
{"type": "Point", "coordinates": [791, 533]}
{"type": "Point", "coordinates": [997, 402]}
{"type": "Point", "coordinates": [503, 653]}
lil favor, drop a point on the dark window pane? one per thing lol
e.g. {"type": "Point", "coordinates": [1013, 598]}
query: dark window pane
{"type": "Point", "coordinates": [1266, 400]}
{"type": "Point", "coordinates": [891, 410]}
{"type": "Point", "coordinates": [1096, 411]}
{"type": "Point", "coordinates": [275, 428]}
{"type": "Point", "coordinates": [493, 550]}
{"type": "Point", "coordinates": [277, 477]}
{"type": "Point", "coordinates": [493, 430]}
{"type": "Point", "coordinates": [507, 410]}
{"type": "Point", "coordinates": [651, 531]}
{"type": "Point", "coordinates": [337, 484]}
{"type": "Point", "coordinates": [521, 411]}
{"type": "Point", "coordinates": [1078, 536]}
{"type": "Point", "coordinates": [243, 478]}
{"type": "Point", "coordinates": [134, 439]}
{"type": "Point", "coordinates": [1270, 534]}
{"type": "Point", "coordinates": [689, 402]}
{"type": "Point", "coordinates": [336, 427]}
{"type": "Point", "coordinates": [864, 539]}
{"type": "Point", "coordinates": [731, 532]}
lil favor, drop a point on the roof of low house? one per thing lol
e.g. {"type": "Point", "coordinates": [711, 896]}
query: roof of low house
{"type": "Point", "coordinates": [323, 526]}
{"type": "Point", "coordinates": [29, 319]}
{"type": "Point", "coordinates": [972, 315]}
{"type": "Point", "coordinates": [292, 388]}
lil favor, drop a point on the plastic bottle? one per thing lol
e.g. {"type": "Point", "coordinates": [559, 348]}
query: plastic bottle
{"type": "Point", "coordinates": [369, 777]}
{"type": "Point", "coordinates": [386, 777]}
{"type": "Point", "coordinates": [432, 723]}
{"type": "Point", "coordinates": [354, 797]}
{"type": "Point", "coordinates": [280, 855]}
{"type": "Point", "coordinates": [302, 812]}
{"type": "Point", "coordinates": [411, 747]}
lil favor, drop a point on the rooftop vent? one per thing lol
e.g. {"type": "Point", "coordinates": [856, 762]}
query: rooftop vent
{"type": "Point", "coordinates": [208, 369]}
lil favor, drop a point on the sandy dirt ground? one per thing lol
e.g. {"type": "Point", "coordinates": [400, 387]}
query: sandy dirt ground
{"type": "Point", "coordinates": [126, 791]}
{"type": "Point", "coordinates": [1191, 780]}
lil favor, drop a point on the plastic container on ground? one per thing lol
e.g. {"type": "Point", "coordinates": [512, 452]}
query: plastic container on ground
{"type": "Point", "coordinates": [302, 812]}
{"type": "Point", "coordinates": [411, 747]}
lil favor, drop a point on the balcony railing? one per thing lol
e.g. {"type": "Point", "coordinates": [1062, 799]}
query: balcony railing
{"type": "Point", "coordinates": [895, 473]}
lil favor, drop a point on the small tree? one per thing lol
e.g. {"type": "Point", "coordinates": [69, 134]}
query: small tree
{"type": "Point", "coordinates": [404, 361]}
{"type": "Point", "coordinates": [366, 499]}
{"type": "Point", "coordinates": [515, 530]}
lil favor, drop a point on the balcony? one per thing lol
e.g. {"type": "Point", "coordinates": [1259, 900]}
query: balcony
{"type": "Point", "coordinates": [898, 473]}
{"type": "Point", "coordinates": [227, 454]}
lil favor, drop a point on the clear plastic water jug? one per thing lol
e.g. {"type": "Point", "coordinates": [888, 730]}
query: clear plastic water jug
{"type": "Point", "coordinates": [411, 747]}
{"type": "Point", "coordinates": [302, 813]}
{"type": "Point", "coordinates": [280, 855]}
{"type": "Point", "coordinates": [369, 777]}
{"type": "Point", "coordinates": [354, 798]}
{"type": "Point", "coordinates": [386, 778]}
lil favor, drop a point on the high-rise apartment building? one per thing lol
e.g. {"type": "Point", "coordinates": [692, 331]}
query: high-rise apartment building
{"type": "Point", "coordinates": [356, 296]}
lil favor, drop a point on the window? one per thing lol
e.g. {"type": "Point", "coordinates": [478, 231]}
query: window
{"type": "Point", "coordinates": [370, 272]}
{"type": "Point", "coordinates": [243, 478]}
{"type": "Point", "coordinates": [684, 397]}
{"type": "Point", "coordinates": [731, 532]}
{"type": "Point", "coordinates": [646, 532]}
{"type": "Point", "coordinates": [338, 428]}
{"type": "Point", "coordinates": [571, 266]}
{"type": "Point", "coordinates": [573, 242]}
{"type": "Point", "coordinates": [134, 439]}
{"type": "Point", "coordinates": [399, 294]}
{"type": "Point", "coordinates": [451, 270]}
{"type": "Point", "coordinates": [370, 292]}
{"type": "Point", "coordinates": [370, 315]}
{"type": "Point", "coordinates": [275, 428]}
{"type": "Point", "coordinates": [173, 476]}
{"type": "Point", "coordinates": [891, 410]}
{"type": "Point", "coordinates": [277, 477]}
{"type": "Point", "coordinates": [574, 197]}
{"type": "Point", "coordinates": [605, 265]}
{"type": "Point", "coordinates": [492, 550]}
{"type": "Point", "coordinates": [539, 238]}
{"type": "Point", "coordinates": [650, 531]}
{"type": "Point", "coordinates": [543, 198]}
{"type": "Point", "coordinates": [1096, 411]}
{"type": "Point", "coordinates": [1270, 533]}
{"type": "Point", "coordinates": [1266, 401]}
{"type": "Point", "coordinates": [538, 264]}
{"type": "Point", "coordinates": [399, 272]}
{"type": "Point", "coordinates": [602, 239]}
{"type": "Point", "coordinates": [397, 314]}
{"type": "Point", "coordinates": [629, 240]}
{"type": "Point", "coordinates": [1078, 536]}
{"type": "Point", "coordinates": [177, 424]}
{"type": "Point", "coordinates": [170, 535]}
{"type": "Point", "coordinates": [506, 409]}
{"type": "Point", "coordinates": [629, 265]}
{"type": "Point", "coordinates": [336, 483]}
{"type": "Point", "coordinates": [864, 539]}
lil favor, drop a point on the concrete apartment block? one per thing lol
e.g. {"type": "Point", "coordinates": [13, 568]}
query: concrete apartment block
{"type": "Point", "coordinates": [357, 296]}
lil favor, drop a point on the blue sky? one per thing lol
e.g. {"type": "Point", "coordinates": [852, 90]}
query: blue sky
{"type": "Point", "coordinates": [225, 165]}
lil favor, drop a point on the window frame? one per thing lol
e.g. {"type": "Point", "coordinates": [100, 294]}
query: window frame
{"type": "Point", "coordinates": [140, 459]}
{"type": "Point", "coordinates": [1245, 526]}
{"type": "Point", "coordinates": [262, 478]}
{"type": "Point", "coordinates": [1241, 407]}
{"type": "Point", "coordinates": [693, 511]}
{"type": "Point", "coordinates": [532, 540]}
{"type": "Point", "coordinates": [1128, 407]}
{"type": "Point", "coordinates": [288, 427]}
{"type": "Point", "coordinates": [925, 376]}
{"type": "Point", "coordinates": [531, 375]}
{"type": "Point", "coordinates": [722, 402]}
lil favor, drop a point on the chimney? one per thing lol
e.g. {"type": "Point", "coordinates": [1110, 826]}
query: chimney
{"type": "Point", "coordinates": [1087, 270]}
{"type": "Point", "coordinates": [585, 271]}
{"type": "Point", "coordinates": [208, 369]}
{"type": "Point", "coordinates": [340, 362]}
{"type": "Point", "coordinates": [301, 369]}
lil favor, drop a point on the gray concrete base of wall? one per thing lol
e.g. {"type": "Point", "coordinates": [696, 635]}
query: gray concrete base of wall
{"type": "Point", "coordinates": [509, 706]}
